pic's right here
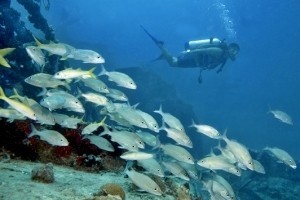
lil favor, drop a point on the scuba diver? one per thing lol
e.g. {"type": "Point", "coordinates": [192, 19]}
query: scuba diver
{"type": "Point", "coordinates": [205, 54]}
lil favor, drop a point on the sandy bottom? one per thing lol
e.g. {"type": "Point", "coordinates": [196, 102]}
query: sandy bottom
{"type": "Point", "coordinates": [69, 184]}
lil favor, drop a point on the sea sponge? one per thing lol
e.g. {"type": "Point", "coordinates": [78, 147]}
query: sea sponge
{"type": "Point", "coordinates": [112, 189]}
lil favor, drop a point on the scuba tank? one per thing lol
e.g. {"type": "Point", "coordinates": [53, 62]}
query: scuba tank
{"type": "Point", "coordinates": [197, 44]}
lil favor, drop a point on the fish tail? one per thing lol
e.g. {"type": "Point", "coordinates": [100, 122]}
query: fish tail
{"type": "Point", "coordinates": [193, 123]}
{"type": "Point", "coordinates": [102, 123]}
{"type": "Point", "coordinates": [36, 41]}
{"type": "Point", "coordinates": [2, 94]}
{"type": "Point", "coordinates": [158, 143]}
{"type": "Point", "coordinates": [91, 72]}
{"type": "Point", "coordinates": [224, 136]}
{"type": "Point", "coordinates": [42, 93]}
{"type": "Point", "coordinates": [103, 71]}
{"type": "Point", "coordinates": [33, 131]}
{"type": "Point", "coordinates": [159, 111]}
{"type": "Point", "coordinates": [4, 52]}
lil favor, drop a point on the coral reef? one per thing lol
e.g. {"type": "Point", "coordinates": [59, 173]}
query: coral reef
{"type": "Point", "coordinates": [44, 174]}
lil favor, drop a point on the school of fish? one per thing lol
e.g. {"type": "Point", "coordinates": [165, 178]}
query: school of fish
{"type": "Point", "coordinates": [137, 132]}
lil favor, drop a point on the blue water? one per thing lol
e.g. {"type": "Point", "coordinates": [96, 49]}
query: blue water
{"type": "Point", "coordinates": [266, 73]}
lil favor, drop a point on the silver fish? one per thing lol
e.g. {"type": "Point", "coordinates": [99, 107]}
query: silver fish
{"type": "Point", "coordinates": [152, 166]}
{"type": "Point", "coordinates": [176, 170]}
{"type": "Point", "coordinates": [117, 95]}
{"type": "Point", "coordinates": [52, 137]}
{"type": "Point", "coordinates": [177, 152]}
{"type": "Point", "coordinates": [282, 116]}
{"type": "Point", "coordinates": [95, 84]}
{"type": "Point", "coordinates": [44, 80]}
{"type": "Point", "coordinates": [100, 142]}
{"type": "Point", "coordinates": [170, 120]}
{"type": "Point", "coordinates": [144, 182]}
{"type": "Point", "coordinates": [36, 55]}
{"type": "Point", "coordinates": [282, 156]}
{"type": "Point", "coordinates": [136, 155]}
{"type": "Point", "coordinates": [240, 152]}
{"type": "Point", "coordinates": [86, 56]}
{"type": "Point", "coordinates": [206, 130]}
{"type": "Point", "coordinates": [121, 79]}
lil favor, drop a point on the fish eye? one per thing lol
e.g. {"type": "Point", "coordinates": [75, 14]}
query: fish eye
{"type": "Point", "coordinates": [98, 56]}
{"type": "Point", "coordinates": [290, 161]}
{"type": "Point", "coordinates": [250, 163]}
{"type": "Point", "coordinates": [155, 189]}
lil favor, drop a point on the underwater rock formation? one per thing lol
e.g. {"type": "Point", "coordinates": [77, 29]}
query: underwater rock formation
{"type": "Point", "coordinates": [43, 174]}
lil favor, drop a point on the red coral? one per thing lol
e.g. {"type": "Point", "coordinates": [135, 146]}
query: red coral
{"type": "Point", "coordinates": [63, 151]}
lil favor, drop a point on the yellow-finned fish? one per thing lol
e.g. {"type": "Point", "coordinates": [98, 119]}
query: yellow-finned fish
{"type": "Point", "coordinates": [70, 73]}
{"type": "Point", "coordinates": [21, 107]}
{"type": "Point", "coordinates": [4, 52]}
{"type": "Point", "coordinates": [89, 129]}
{"type": "Point", "coordinates": [59, 49]}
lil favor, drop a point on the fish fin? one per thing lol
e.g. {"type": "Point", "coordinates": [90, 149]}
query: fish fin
{"type": "Point", "coordinates": [158, 143]}
{"type": "Point", "coordinates": [2, 94]}
{"type": "Point", "coordinates": [193, 124]}
{"type": "Point", "coordinates": [37, 41]}
{"type": "Point", "coordinates": [63, 58]}
{"type": "Point", "coordinates": [33, 131]}
{"type": "Point", "coordinates": [91, 72]}
{"type": "Point", "coordinates": [43, 92]}
{"type": "Point", "coordinates": [159, 111]}
{"type": "Point", "coordinates": [4, 52]}
{"type": "Point", "coordinates": [102, 123]}
{"type": "Point", "coordinates": [103, 71]}
{"type": "Point", "coordinates": [3, 62]}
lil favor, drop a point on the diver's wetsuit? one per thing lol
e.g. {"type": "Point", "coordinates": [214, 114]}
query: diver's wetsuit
{"type": "Point", "coordinates": [206, 58]}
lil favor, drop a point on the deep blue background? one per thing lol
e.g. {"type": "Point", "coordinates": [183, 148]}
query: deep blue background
{"type": "Point", "coordinates": [266, 73]}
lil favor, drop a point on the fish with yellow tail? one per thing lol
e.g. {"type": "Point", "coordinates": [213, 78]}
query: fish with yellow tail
{"type": "Point", "coordinates": [89, 129]}
{"type": "Point", "coordinates": [4, 52]}
{"type": "Point", "coordinates": [70, 73]}
{"type": "Point", "coordinates": [21, 107]}
{"type": "Point", "coordinates": [59, 49]}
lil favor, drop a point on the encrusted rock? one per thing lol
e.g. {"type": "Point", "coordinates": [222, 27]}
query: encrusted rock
{"type": "Point", "coordinates": [112, 189]}
{"type": "Point", "coordinates": [44, 174]}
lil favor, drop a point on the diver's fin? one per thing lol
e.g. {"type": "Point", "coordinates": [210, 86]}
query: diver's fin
{"type": "Point", "coordinates": [156, 41]}
{"type": "Point", "coordinates": [160, 57]}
